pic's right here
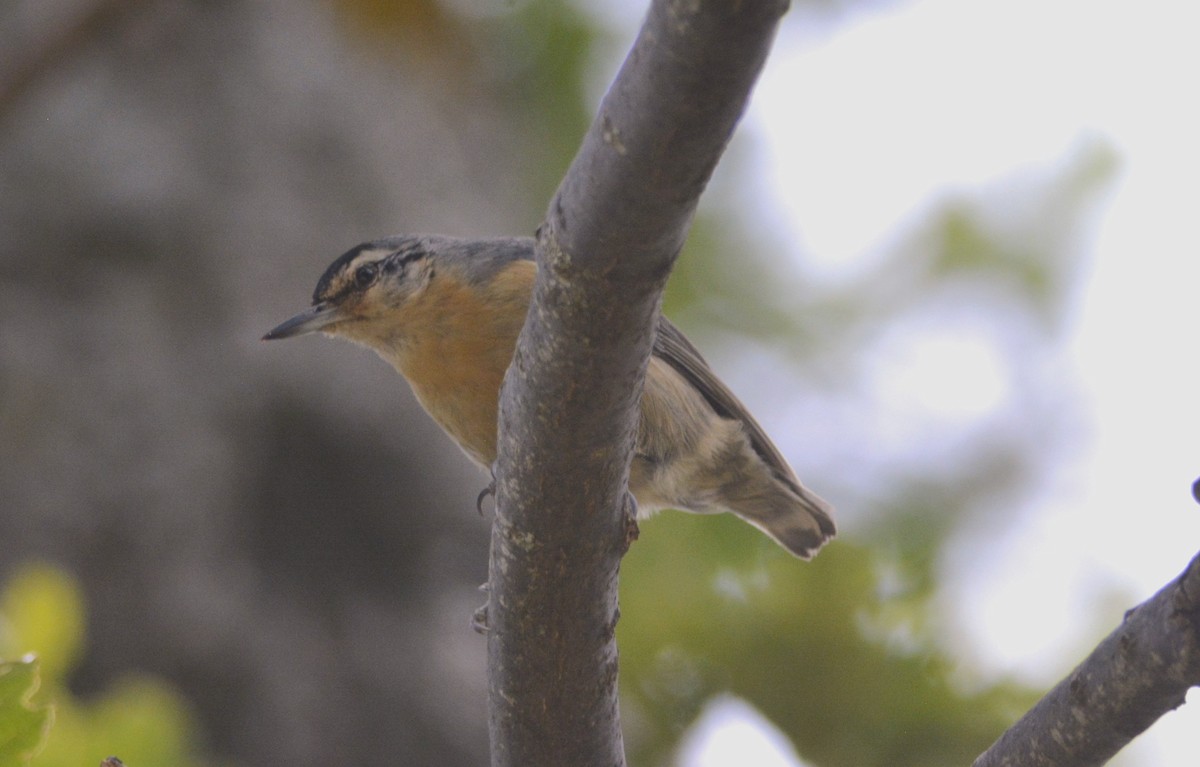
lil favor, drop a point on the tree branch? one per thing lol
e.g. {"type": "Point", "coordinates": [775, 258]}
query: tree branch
{"type": "Point", "coordinates": [1139, 672]}
{"type": "Point", "coordinates": [569, 404]}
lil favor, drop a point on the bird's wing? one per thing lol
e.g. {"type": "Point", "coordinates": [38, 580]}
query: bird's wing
{"type": "Point", "coordinates": [673, 347]}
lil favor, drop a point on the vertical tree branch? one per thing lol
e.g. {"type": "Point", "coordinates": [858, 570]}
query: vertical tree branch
{"type": "Point", "coordinates": [569, 404]}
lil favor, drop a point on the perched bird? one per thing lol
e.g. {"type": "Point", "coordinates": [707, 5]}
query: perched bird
{"type": "Point", "coordinates": [445, 312]}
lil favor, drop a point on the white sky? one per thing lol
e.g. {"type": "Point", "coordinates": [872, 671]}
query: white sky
{"type": "Point", "coordinates": [941, 95]}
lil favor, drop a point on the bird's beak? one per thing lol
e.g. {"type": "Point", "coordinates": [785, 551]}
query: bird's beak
{"type": "Point", "coordinates": [308, 321]}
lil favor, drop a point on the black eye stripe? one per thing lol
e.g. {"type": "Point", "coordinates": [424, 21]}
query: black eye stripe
{"type": "Point", "coordinates": [399, 260]}
{"type": "Point", "coordinates": [344, 273]}
{"type": "Point", "coordinates": [408, 258]}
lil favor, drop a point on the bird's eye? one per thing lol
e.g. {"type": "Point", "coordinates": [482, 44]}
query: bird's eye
{"type": "Point", "coordinates": [365, 275]}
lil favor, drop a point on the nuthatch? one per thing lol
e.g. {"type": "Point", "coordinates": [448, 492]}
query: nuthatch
{"type": "Point", "coordinates": [445, 312]}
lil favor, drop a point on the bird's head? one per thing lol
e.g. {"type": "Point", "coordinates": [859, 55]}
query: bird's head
{"type": "Point", "coordinates": [361, 293]}
{"type": "Point", "coordinates": [391, 293]}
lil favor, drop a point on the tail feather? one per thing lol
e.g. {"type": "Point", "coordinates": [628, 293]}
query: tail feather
{"type": "Point", "coordinates": [739, 481]}
{"type": "Point", "coordinates": [797, 518]}
{"type": "Point", "coordinates": [802, 523]}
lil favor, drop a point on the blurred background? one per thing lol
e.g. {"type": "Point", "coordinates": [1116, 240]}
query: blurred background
{"type": "Point", "coordinates": [947, 260]}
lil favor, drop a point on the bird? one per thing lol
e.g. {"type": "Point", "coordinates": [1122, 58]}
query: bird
{"type": "Point", "coordinates": [445, 312]}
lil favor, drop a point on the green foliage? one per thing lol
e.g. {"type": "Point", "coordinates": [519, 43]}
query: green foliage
{"type": "Point", "coordinates": [43, 612]}
{"type": "Point", "coordinates": [140, 718]}
{"type": "Point", "coordinates": [23, 724]}
{"type": "Point", "coordinates": [842, 656]}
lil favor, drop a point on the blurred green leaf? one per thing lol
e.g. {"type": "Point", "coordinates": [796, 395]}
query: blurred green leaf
{"type": "Point", "coordinates": [23, 724]}
{"type": "Point", "coordinates": [142, 718]}
{"type": "Point", "coordinates": [832, 651]}
{"type": "Point", "coordinates": [43, 610]}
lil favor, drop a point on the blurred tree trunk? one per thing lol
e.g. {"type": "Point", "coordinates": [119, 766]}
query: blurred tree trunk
{"type": "Point", "coordinates": [569, 404]}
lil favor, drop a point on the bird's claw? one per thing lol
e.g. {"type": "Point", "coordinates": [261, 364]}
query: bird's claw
{"type": "Point", "coordinates": [490, 490]}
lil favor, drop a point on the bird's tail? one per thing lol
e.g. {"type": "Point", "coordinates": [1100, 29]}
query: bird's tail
{"type": "Point", "coordinates": [801, 522]}
{"type": "Point", "coordinates": [724, 473]}
{"type": "Point", "coordinates": [770, 497]}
